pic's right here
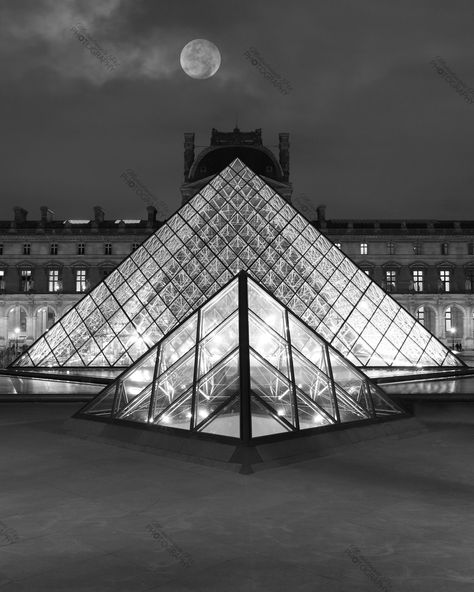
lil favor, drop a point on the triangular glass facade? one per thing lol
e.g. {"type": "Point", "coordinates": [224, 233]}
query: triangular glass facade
{"type": "Point", "coordinates": [242, 366]}
{"type": "Point", "coordinates": [235, 223]}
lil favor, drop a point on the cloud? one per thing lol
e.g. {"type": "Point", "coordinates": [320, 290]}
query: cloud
{"type": "Point", "coordinates": [44, 35]}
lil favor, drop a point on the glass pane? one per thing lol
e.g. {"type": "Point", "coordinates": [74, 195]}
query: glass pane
{"type": "Point", "coordinates": [272, 388]}
{"type": "Point", "coordinates": [216, 387]}
{"type": "Point", "coordinates": [349, 410]}
{"type": "Point", "coordinates": [272, 348]}
{"type": "Point", "coordinates": [134, 408]}
{"type": "Point", "coordinates": [177, 344]}
{"type": "Point", "coordinates": [219, 308]}
{"type": "Point", "coordinates": [346, 376]}
{"type": "Point", "coordinates": [174, 382]}
{"type": "Point", "coordinates": [102, 405]}
{"type": "Point", "coordinates": [309, 415]}
{"type": "Point", "coordinates": [307, 343]}
{"type": "Point", "coordinates": [178, 415]}
{"type": "Point", "coordinates": [381, 404]}
{"type": "Point", "coordinates": [264, 422]}
{"type": "Point", "coordinates": [140, 376]}
{"type": "Point", "coordinates": [266, 308]}
{"type": "Point", "coordinates": [218, 344]}
{"type": "Point", "coordinates": [313, 383]}
{"type": "Point", "coordinates": [226, 422]}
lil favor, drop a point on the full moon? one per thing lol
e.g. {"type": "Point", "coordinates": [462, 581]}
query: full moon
{"type": "Point", "coordinates": [200, 58]}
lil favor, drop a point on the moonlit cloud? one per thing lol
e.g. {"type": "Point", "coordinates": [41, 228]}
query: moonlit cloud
{"type": "Point", "coordinates": [47, 25]}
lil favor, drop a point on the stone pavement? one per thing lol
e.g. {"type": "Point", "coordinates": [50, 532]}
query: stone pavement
{"type": "Point", "coordinates": [393, 514]}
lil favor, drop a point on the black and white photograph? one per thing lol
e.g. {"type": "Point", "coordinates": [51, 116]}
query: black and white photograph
{"type": "Point", "coordinates": [236, 296]}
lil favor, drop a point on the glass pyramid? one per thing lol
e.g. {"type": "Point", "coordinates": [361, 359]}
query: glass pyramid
{"type": "Point", "coordinates": [242, 366]}
{"type": "Point", "coordinates": [235, 223]}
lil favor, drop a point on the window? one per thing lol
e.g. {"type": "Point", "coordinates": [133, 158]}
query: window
{"type": "Point", "coordinates": [390, 280]}
{"type": "Point", "coordinates": [54, 249]}
{"type": "Point", "coordinates": [2, 280]}
{"type": "Point", "coordinates": [444, 249]}
{"type": "Point", "coordinates": [368, 272]}
{"type": "Point", "coordinates": [26, 249]}
{"type": "Point", "coordinates": [420, 315]}
{"type": "Point", "coordinates": [53, 280]}
{"type": "Point", "coordinates": [1, 249]}
{"type": "Point", "coordinates": [26, 280]}
{"type": "Point", "coordinates": [81, 280]}
{"type": "Point", "coordinates": [81, 248]}
{"type": "Point", "coordinates": [363, 249]}
{"type": "Point", "coordinates": [470, 248]}
{"type": "Point", "coordinates": [445, 280]}
{"type": "Point", "coordinates": [108, 248]}
{"type": "Point", "coordinates": [417, 275]}
{"type": "Point", "coordinates": [135, 246]}
{"type": "Point", "coordinates": [391, 248]}
{"type": "Point", "coordinates": [469, 281]}
{"type": "Point", "coordinates": [417, 249]}
{"type": "Point", "coordinates": [448, 320]}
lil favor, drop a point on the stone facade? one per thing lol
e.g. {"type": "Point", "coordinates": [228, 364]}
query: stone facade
{"type": "Point", "coordinates": [47, 265]}
{"type": "Point", "coordinates": [394, 252]}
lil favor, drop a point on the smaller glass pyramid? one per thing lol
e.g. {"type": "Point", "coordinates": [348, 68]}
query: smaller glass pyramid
{"type": "Point", "coordinates": [242, 366]}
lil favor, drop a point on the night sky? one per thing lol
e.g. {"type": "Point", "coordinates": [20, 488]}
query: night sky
{"type": "Point", "coordinates": [375, 131]}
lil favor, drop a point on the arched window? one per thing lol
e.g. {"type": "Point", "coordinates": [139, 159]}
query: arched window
{"type": "Point", "coordinates": [45, 318]}
{"type": "Point", "coordinates": [448, 319]}
{"type": "Point", "coordinates": [426, 316]}
{"type": "Point", "coordinates": [16, 327]}
{"type": "Point", "coordinates": [420, 315]}
{"type": "Point", "coordinates": [454, 322]}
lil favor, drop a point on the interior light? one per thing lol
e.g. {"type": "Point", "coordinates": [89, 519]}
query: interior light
{"type": "Point", "coordinates": [281, 412]}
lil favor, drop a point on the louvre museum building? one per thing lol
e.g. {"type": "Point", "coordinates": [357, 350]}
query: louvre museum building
{"type": "Point", "coordinates": [237, 317]}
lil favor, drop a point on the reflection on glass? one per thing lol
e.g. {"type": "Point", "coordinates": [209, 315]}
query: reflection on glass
{"type": "Point", "coordinates": [266, 308]}
{"type": "Point", "coordinates": [216, 387]}
{"type": "Point", "coordinates": [179, 342]}
{"type": "Point", "coordinates": [173, 383]}
{"type": "Point", "coordinates": [314, 383]}
{"type": "Point", "coordinates": [219, 308]}
{"type": "Point", "coordinates": [218, 344]}
{"type": "Point", "coordinates": [178, 415]}
{"type": "Point", "coordinates": [264, 422]}
{"type": "Point", "coordinates": [310, 416]}
{"type": "Point", "coordinates": [306, 342]}
{"type": "Point", "coordinates": [135, 409]}
{"type": "Point", "coordinates": [268, 345]}
{"type": "Point", "coordinates": [226, 422]}
{"type": "Point", "coordinates": [272, 387]}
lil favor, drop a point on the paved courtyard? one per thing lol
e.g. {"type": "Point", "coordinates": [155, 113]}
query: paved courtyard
{"type": "Point", "coordinates": [82, 515]}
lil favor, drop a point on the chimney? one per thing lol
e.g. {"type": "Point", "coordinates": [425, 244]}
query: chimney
{"type": "Point", "coordinates": [284, 147]}
{"type": "Point", "coordinates": [151, 216]}
{"type": "Point", "coordinates": [188, 154]}
{"type": "Point", "coordinates": [98, 214]}
{"type": "Point", "coordinates": [46, 215]}
{"type": "Point", "coordinates": [20, 215]}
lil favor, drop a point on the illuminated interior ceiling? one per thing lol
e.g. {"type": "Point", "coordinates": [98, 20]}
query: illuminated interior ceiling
{"type": "Point", "coordinates": [242, 366]}
{"type": "Point", "coordinates": [235, 223]}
